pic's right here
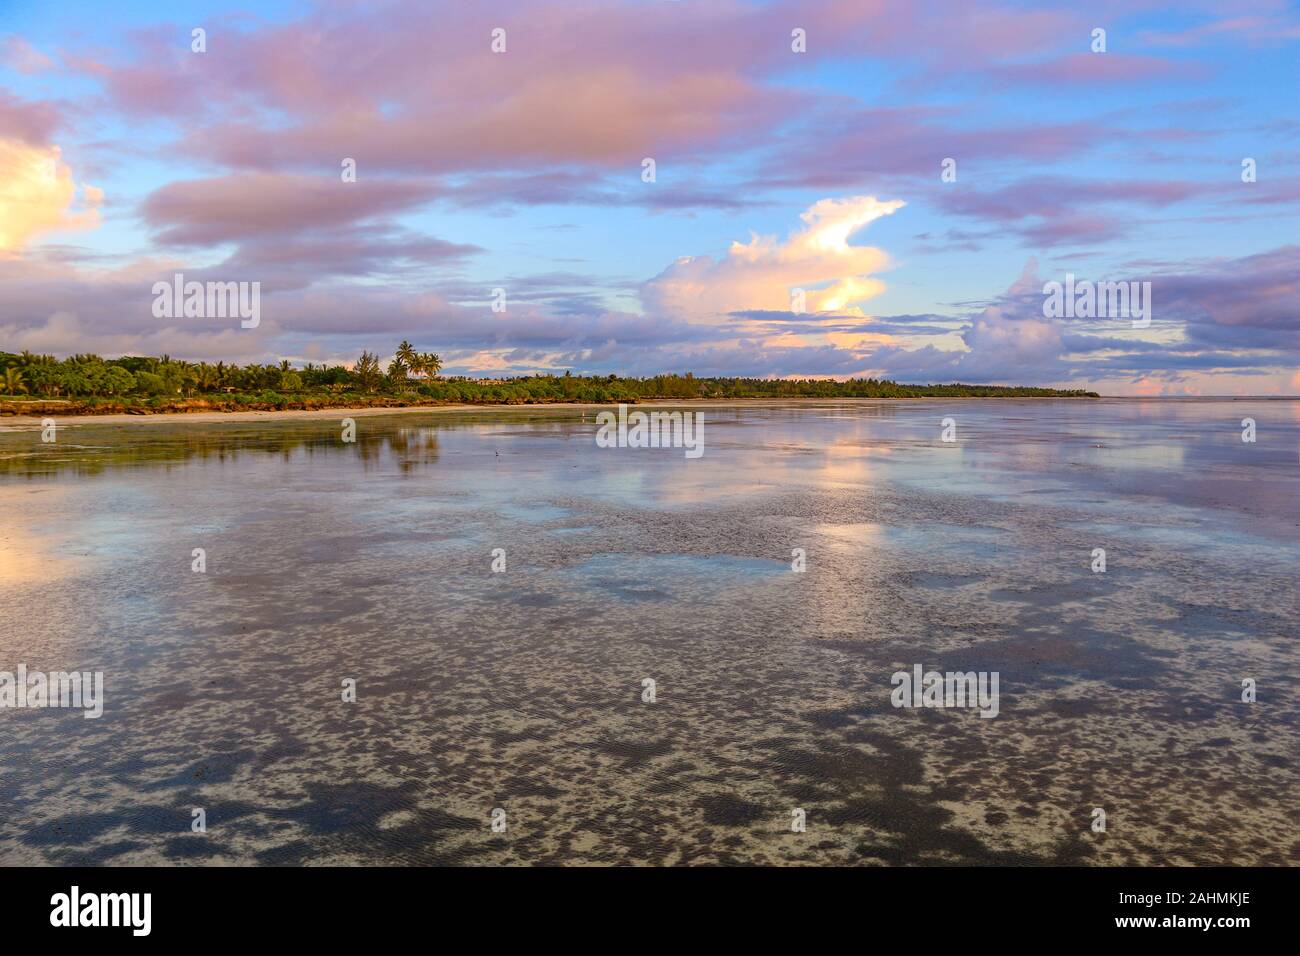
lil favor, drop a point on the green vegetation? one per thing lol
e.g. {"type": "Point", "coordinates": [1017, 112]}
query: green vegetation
{"type": "Point", "coordinates": [88, 383]}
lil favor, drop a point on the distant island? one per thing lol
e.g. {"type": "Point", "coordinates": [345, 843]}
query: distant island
{"type": "Point", "coordinates": [89, 384]}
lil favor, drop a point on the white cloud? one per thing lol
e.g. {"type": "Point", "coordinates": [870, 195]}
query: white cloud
{"type": "Point", "coordinates": [760, 274]}
{"type": "Point", "coordinates": [36, 194]}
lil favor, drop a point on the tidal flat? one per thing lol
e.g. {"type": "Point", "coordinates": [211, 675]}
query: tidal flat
{"type": "Point", "coordinates": [371, 561]}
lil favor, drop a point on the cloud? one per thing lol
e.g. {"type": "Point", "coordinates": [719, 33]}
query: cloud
{"type": "Point", "coordinates": [592, 85]}
{"type": "Point", "coordinates": [600, 85]}
{"type": "Point", "coordinates": [270, 205]}
{"type": "Point", "coordinates": [292, 230]}
{"type": "Point", "coordinates": [36, 194]}
{"type": "Point", "coordinates": [1249, 302]}
{"type": "Point", "coordinates": [251, 135]}
{"type": "Point", "coordinates": [19, 55]}
{"type": "Point", "coordinates": [856, 145]}
{"type": "Point", "coordinates": [1066, 210]}
{"type": "Point", "coordinates": [362, 250]}
{"type": "Point", "coordinates": [65, 333]}
{"type": "Point", "coordinates": [1256, 29]}
{"type": "Point", "coordinates": [27, 122]}
{"type": "Point", "coordinates": [53, 305]}
{"type": "Point", "coordinates": [1232, 316]}
{"type": "Point", "coordinates": [760, 274]}
{"type": "Point", "coordinates": [1087, 70]}
{"type": "Point", "coordinates": [1007, 341]}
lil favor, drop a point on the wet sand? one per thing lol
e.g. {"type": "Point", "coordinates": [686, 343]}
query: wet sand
{"type": "Point", "coordinates": [522, 690]}
{"type": "Point", "coordinates": [34, 421]}
{"type": "Point", "coordinates": [290, 414]}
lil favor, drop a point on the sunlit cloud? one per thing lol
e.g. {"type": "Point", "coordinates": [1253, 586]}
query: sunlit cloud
{"type": "Point", "coordinates": [764, 273]}
{"type": "Point", "coordinates": [37, 193]}
{"type": "Point", "coordinates": [523, 170]}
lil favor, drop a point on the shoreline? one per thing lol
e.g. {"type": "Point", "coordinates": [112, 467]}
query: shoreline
{"type": "Point", "coordinates": [314, 414]}
{"type": "Point", "coordinates": [335, 411]}
{"type": "Point", "coordinates": [201, 417]}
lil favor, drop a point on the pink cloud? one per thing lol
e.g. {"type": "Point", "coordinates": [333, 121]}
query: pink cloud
{"type": "Point", "coordinates": [17, 54]}
{"type": "Point", "coordinates": [1053, 210]}
{"type": "Point", "coordinates": [599, 84]}
{"type": "Point", "coordinates": [33, 123]}
{"type": "Point", "coordinates": [1256, 28]}
{"type": "Point", "coordinates": [261, 205]}
{"type": "Point", "coordinates": [577, 83]}
{"type": "Point", "coordinates": [1089, 69]}
{"type": "Point", "coordinates": [854, 145]}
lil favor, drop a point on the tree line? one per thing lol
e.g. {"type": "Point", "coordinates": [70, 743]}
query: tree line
{"type": "Point", "coordinates": [413, 376]}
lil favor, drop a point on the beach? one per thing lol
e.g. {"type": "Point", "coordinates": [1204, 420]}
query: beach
{"type": "Point", "coordinates": [522, 689]}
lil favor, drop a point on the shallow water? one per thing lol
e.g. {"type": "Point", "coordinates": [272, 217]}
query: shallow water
{"type": "Point", "coordinates": [523, 690]}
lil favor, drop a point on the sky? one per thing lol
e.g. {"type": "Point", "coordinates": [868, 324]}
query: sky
{"type": "Point", "coordinates": [835, 188]}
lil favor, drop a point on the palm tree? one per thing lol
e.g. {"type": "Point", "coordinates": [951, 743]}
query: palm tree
{"type": "Point", "coordinates": [406, 354]}
{"type": "Point", "coordinates": [429, 363]}
{"type": "Point", "coordinates": [13, 382]}
{"type": "Point", "coordinates": [206, 377]}
{"type": "Point", "coordinates": [27, 360]}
